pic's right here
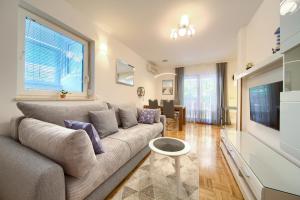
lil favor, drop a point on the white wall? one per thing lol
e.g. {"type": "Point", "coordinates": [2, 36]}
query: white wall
{"type": "Point", "coordinates": [105, 86]}
{"type": "Point", "coordinates": [256, 40]}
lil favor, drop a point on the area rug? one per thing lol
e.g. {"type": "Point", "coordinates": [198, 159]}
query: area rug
{"type": "Point", "coordinates": [158, 182]}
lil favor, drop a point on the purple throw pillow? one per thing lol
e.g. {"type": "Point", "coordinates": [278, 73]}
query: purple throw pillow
{"type": "Point", "coordinates": [147, 116]}
{"type": "Point", "coordinates": [90, 130]}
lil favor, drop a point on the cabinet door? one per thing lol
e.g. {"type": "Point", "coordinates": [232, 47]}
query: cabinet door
{"type": "Point", "coordinates": [290, 30]}
{"type": "Point", "coordinates": [292, 69]}
{"type": "Point", "coordinates": [289, 127]}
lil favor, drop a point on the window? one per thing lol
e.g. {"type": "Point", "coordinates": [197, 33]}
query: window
{"type": "Point", "coordinates": [52, 59]}
{"type": "Point", "coordinates": [200, 98]}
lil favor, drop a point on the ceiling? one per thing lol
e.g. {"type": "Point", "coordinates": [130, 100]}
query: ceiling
{"type": "Point", "coordinates": [145, 25]}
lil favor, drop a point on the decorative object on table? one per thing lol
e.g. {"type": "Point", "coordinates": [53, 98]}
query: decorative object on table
{"type": "Point", "coordinates": [277, 48]}
{"type": "Point", "coordinates": [140, 91]}
{"type": "Point", "coordinates": [249, 65]}
{"type": "Point", "coordinates": [151, 183]}
{"type": "Point", "coordinates": [63, 93]}
{"type": "Point", "coordinates": [167, 87]}
{"type": "Point", "coordinates": [125, 73]}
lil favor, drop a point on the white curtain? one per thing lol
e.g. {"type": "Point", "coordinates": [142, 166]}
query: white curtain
{"type": "Point", "coordinates": [200, 95]}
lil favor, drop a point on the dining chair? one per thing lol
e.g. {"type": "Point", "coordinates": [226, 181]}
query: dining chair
{"type": "Point", "coordinates": [170, 113]}
{"type": "Point", "coordinates": [153, 104]}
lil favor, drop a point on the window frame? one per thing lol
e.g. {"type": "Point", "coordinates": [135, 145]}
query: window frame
{"type": "Point", "coordinates": [22, 93]}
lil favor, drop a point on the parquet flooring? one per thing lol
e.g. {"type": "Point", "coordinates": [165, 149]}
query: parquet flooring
{"type": "Point", "coordinates": [215, 178]}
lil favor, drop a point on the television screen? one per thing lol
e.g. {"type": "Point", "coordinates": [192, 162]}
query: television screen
{"type": "Point", "coordinates": [265, 104]}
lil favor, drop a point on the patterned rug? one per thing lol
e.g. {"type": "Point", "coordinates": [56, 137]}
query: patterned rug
{"type": "Point", "coordinates": [159, 183]}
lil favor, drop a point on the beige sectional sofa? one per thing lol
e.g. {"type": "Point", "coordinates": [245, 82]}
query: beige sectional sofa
{"type": "Point", "coordinates": [27, 173]}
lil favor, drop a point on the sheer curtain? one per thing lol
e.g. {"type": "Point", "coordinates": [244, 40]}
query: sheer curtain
{"type": "Point", "coordinates": [179, 85]}
{"type": "Point", "coordinates": [200, 95]}
{"type": "Point", "coordinates": [222, 103]}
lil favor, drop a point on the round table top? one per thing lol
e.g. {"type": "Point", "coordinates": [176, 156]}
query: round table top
{"type": "Point", "coordinates": [169, 146]}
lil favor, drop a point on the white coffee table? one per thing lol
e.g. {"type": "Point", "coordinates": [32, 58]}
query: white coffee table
{"type": "Point", "coordinates": [172, 147]}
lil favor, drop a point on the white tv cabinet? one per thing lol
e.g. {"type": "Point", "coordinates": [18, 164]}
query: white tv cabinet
{"type": "Point", "coordinates": [261, 173]}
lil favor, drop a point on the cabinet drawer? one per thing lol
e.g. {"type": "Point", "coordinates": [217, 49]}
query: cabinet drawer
{"type": "Point", "coordinates": [251, 180]}
{"type": "Point", "coordinates": [234, 155]}
{"type": "Point", "coordinates": [223, 137]}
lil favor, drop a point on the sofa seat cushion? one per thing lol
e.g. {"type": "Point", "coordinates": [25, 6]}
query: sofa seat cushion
{"type": "Point", "coordinates": [117, 153]}
{"type": "Point", "coordinates": [138, 137]}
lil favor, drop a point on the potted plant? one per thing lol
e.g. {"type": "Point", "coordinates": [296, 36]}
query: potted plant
{"type": "Point", "coordinates": [63, 94]}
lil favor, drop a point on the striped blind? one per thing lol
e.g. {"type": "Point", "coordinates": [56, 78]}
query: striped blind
{"type": "Point", "coordinates": [53, 61]}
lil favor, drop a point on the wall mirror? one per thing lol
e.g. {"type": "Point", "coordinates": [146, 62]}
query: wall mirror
{"type": "Point", "coordinates": [125, 73]}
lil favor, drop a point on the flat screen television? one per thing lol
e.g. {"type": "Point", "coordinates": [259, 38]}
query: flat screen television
{"type": "Point", "coordinates": [265, 104]}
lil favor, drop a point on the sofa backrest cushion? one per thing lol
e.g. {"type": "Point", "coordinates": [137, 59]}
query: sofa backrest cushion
{"type": "Point", "coordinates": [128, 117]}
{"type": "Point", "coordinates": [56, 114]}
{"type": "Point", "coordinates": [116, 108]}
{"type": "Point", "coordinates": [147, 116]}
{"type": "Point", "coordinates": [156, 117]}
{"type": "Point", "coordinates": [90, 130]}
{"type": "Point", "coordinates": [105, 122]}
{"type": "Point", "coordinates": [72, 149]}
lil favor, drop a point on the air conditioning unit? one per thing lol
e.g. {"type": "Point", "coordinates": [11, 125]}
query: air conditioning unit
{"type": "Point", "coordinates": [152, 69]}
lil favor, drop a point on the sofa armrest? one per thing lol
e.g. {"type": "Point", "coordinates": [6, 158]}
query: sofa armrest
{"type": "Point", "coordinates": [14, 125]}
{"type": "Point", "coordinates": [25, 174]}
{"type": "Point", "coordinates": [163, 120]}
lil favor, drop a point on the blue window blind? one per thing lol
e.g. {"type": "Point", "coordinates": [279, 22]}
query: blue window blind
{"type": "Point", "coordinates": [53, 61]}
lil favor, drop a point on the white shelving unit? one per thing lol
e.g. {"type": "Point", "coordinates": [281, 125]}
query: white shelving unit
{"type": "Point", "coordinates": [261, 172]}
{"type": "Point", "coordinates": [271, 62]}
{"type": "Point", "coordinates": [265, 163]}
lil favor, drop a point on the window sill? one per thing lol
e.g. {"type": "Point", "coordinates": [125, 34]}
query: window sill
{"type": "Point", "coordinates": [54, 98]}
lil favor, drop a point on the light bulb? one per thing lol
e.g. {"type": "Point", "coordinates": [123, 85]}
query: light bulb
{"type": "Point", "coordinates": [173, 34]}
{"type": "Point", "coordinates": [103, 48]}
{"type": "Point", "coordinates": [288, 6]}
{"type": "Point", "coordinates": [189, 32]}
{"type": "Point", "coordinates": [192, 30]}
{"type": "Point", "coordinates": [182, 32]}
{"type": "Point", "coordinates": [184, 21]}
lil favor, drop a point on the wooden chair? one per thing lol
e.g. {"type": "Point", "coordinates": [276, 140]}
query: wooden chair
{"type": "Point", "coordinates": [169, 112]}
{"type": "Point", "coordinates": [153, 104]}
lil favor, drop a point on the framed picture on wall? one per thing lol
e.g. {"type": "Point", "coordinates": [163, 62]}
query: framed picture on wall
{"type": "Point", "coordinates": [167, 87]}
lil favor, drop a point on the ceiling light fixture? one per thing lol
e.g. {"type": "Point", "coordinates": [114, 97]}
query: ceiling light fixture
{"type": "Point", "coordinates": [184, 28]}
{"type": "Point", "coordinates": [288, 7]}
{"type": "Point", "coordinates": [163, 74]}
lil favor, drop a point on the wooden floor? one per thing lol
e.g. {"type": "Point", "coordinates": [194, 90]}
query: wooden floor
{"type": "Point", "coordinates": [216, 180]}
